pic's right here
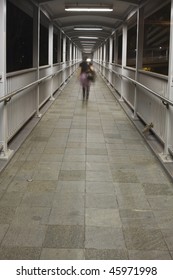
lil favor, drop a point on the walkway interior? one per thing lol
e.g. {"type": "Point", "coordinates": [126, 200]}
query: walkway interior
{"type": "Point", "coordinates": [84, 185]}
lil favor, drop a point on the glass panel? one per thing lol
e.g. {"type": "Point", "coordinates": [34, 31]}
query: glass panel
{"type": "Point", "coordinates": [19, 39]}
{"type": "Point", "coordinates": [120, 49]}
{"type": "Point", "coordinates": [43, 43]}
{"type": "Point", "coordinates": [131, 46]}
{"type": "Point", "coordinates": [55, 48]}
{"type": "Point", "coordinates": [156, 41]}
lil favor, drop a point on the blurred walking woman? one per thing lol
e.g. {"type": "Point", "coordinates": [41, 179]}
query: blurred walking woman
{"type": "Point", "coordinates": [85, 82]}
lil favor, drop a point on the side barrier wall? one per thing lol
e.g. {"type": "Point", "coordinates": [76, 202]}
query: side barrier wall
{"type": "Point", "coordinates": [22, 106]}
{"type": "Point", "coordinates": [149, 108]}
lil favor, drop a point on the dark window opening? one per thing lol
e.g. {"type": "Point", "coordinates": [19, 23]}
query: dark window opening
{"type": "Point", "coordinates": [156, 41]}
{"type": "Point", "coordinates": [55, 48]}
{"type": "Point", "coordinates": [113, 50]}
{"type": "Point", "coordinates": [108, 50]}
{"type": "Point", "coordinates": [67, 50]}
{"type": "Point", "coordinates": [43, 45]}
{"type": "Point", "coordinates": [19, 39]}
{"type": "Point", "coordinates": [61, 49]}
{"type": "Point", "coordinates": [120, 49]}
{"type": "Point", "coordinates": [131, 46]}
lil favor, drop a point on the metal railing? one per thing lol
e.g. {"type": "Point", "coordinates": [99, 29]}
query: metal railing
{"type": "Point", "coordinates": [8, 97]}
{"type": "Point", "coordinates": [164, 100]}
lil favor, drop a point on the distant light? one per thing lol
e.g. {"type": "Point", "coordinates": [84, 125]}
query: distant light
{"type": "Point", "coordinates": [89, 42]}
{"type": "Point", "coordinates": [83, 37]}
{"type": "Point", "coordinates": [88, 60]}
{"type": "Point", "coordinates": [88, 28]}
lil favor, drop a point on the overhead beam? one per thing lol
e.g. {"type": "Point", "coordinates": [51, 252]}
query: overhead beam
{"type": "Point", "coordinates": [131, 2]}
{"type": "Point", "coordinates": [64, 15]}
{"type": "Point", "coordinates": [43, 1]}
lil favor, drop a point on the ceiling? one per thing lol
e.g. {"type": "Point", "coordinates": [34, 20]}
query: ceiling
{"type": "Point", "coordinates": [108, 21]}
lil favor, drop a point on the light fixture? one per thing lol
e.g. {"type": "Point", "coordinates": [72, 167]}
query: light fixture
{"type": "Point", "coordinates": [85, 45]}
{"type": "Point", "coordinates": [88, 28]}
{"type": "Point", "coordinates": [87, 48]}
{"type": "Point", "coordinates": [83, 37]}
{"type": "Point", "coordinates": [89, 42]}
{"type": "Point", "coordinates": [88, 8]}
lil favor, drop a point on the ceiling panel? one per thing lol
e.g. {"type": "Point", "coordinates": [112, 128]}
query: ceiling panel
{"type": "Point", "coordinates": [109, 21]}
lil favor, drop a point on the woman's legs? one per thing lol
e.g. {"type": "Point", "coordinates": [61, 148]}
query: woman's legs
{"type": "Point", "coordinates": [87, 91]}
{"type": "Point", "coordinates": [83, 88]}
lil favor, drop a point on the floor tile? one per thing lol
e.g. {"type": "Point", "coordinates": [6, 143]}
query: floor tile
{"type": "Point", "coordinates": [19, 253]}
{"type": "Point", "coordinates": [149, 255]}
{"type": "Point", "coordinates": [24, 236]}
{"type": "Point", "coordinates": [105, 201]}
{"type": "Point", "coordinates": [100, 187]}
{"type": "Point", "coordinates": [60, 236]}
{"type": "Point", "coordinates": [140, 238]}
{"type": "Point", "coordinates": [96, 238]}
{"type": "Point", "coordinates": [106, 254]}
{"type": "Point", "coordinates": [103, 217]}
{"type": "Point", "coordinates": [62, 254]}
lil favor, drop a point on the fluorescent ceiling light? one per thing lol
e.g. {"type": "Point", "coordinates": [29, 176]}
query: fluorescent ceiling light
{"type": "Point", "coordinates": [87, 45]}
{"type": "Point", "coordinates": [88, 8]}
{"type": "Point", "coordinates": [88, 28]}
{"type": "Point", "coordinates": [88, 42]}
{"type": "Point", "coordinates": [83, 37]}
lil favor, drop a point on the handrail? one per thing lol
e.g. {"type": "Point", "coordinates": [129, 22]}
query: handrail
{"type": "Point", "coordinates": [7, 97]}
{"type": "Point", "coordinates": [165, 100]}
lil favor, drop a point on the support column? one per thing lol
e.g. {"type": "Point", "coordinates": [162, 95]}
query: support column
{"type": "Point", "coordinates": [51, 57]}
{"type": "Point", "coordinates": [139, 53]}
{"type": "Point", "coordinates": [169, 110]}
{"type": "Point", "coordinates": [110, 49]}
{"type": "Point", "coordinates": [101, 54]}
{"type": "Point", "coordinates": [36, 52]}
{"type": "Point", "coordinates": [104, 53]}
{"type": "Point", "coordinates": [104, 59]}
{"type": "Point", "coordinates": [5, 153]}
{"type": "Point", "coordinates": [59, 46]}
{"type": "Point", "coordinates": [124, 56]}
{"type": "Point", "coordinates": [64, 49]}
{"type": "Point", "coordinates": [116, 48]}
{"type": "Point", "coordinates": [98, 55]}
{"type": "Point", "coordinates": [64, 58]}
{"type": "Point", "coordinates": [110, 58]}
{"type": "Point", "coordinates": [101, 58]}
{"type": "Point", "coordinates": [74, 52]}
{"type": "Point", "coordinates": [70, 56]}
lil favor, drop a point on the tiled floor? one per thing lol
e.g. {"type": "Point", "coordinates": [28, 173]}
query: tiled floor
{"type": "Point", "coordinates": [84, 185]}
